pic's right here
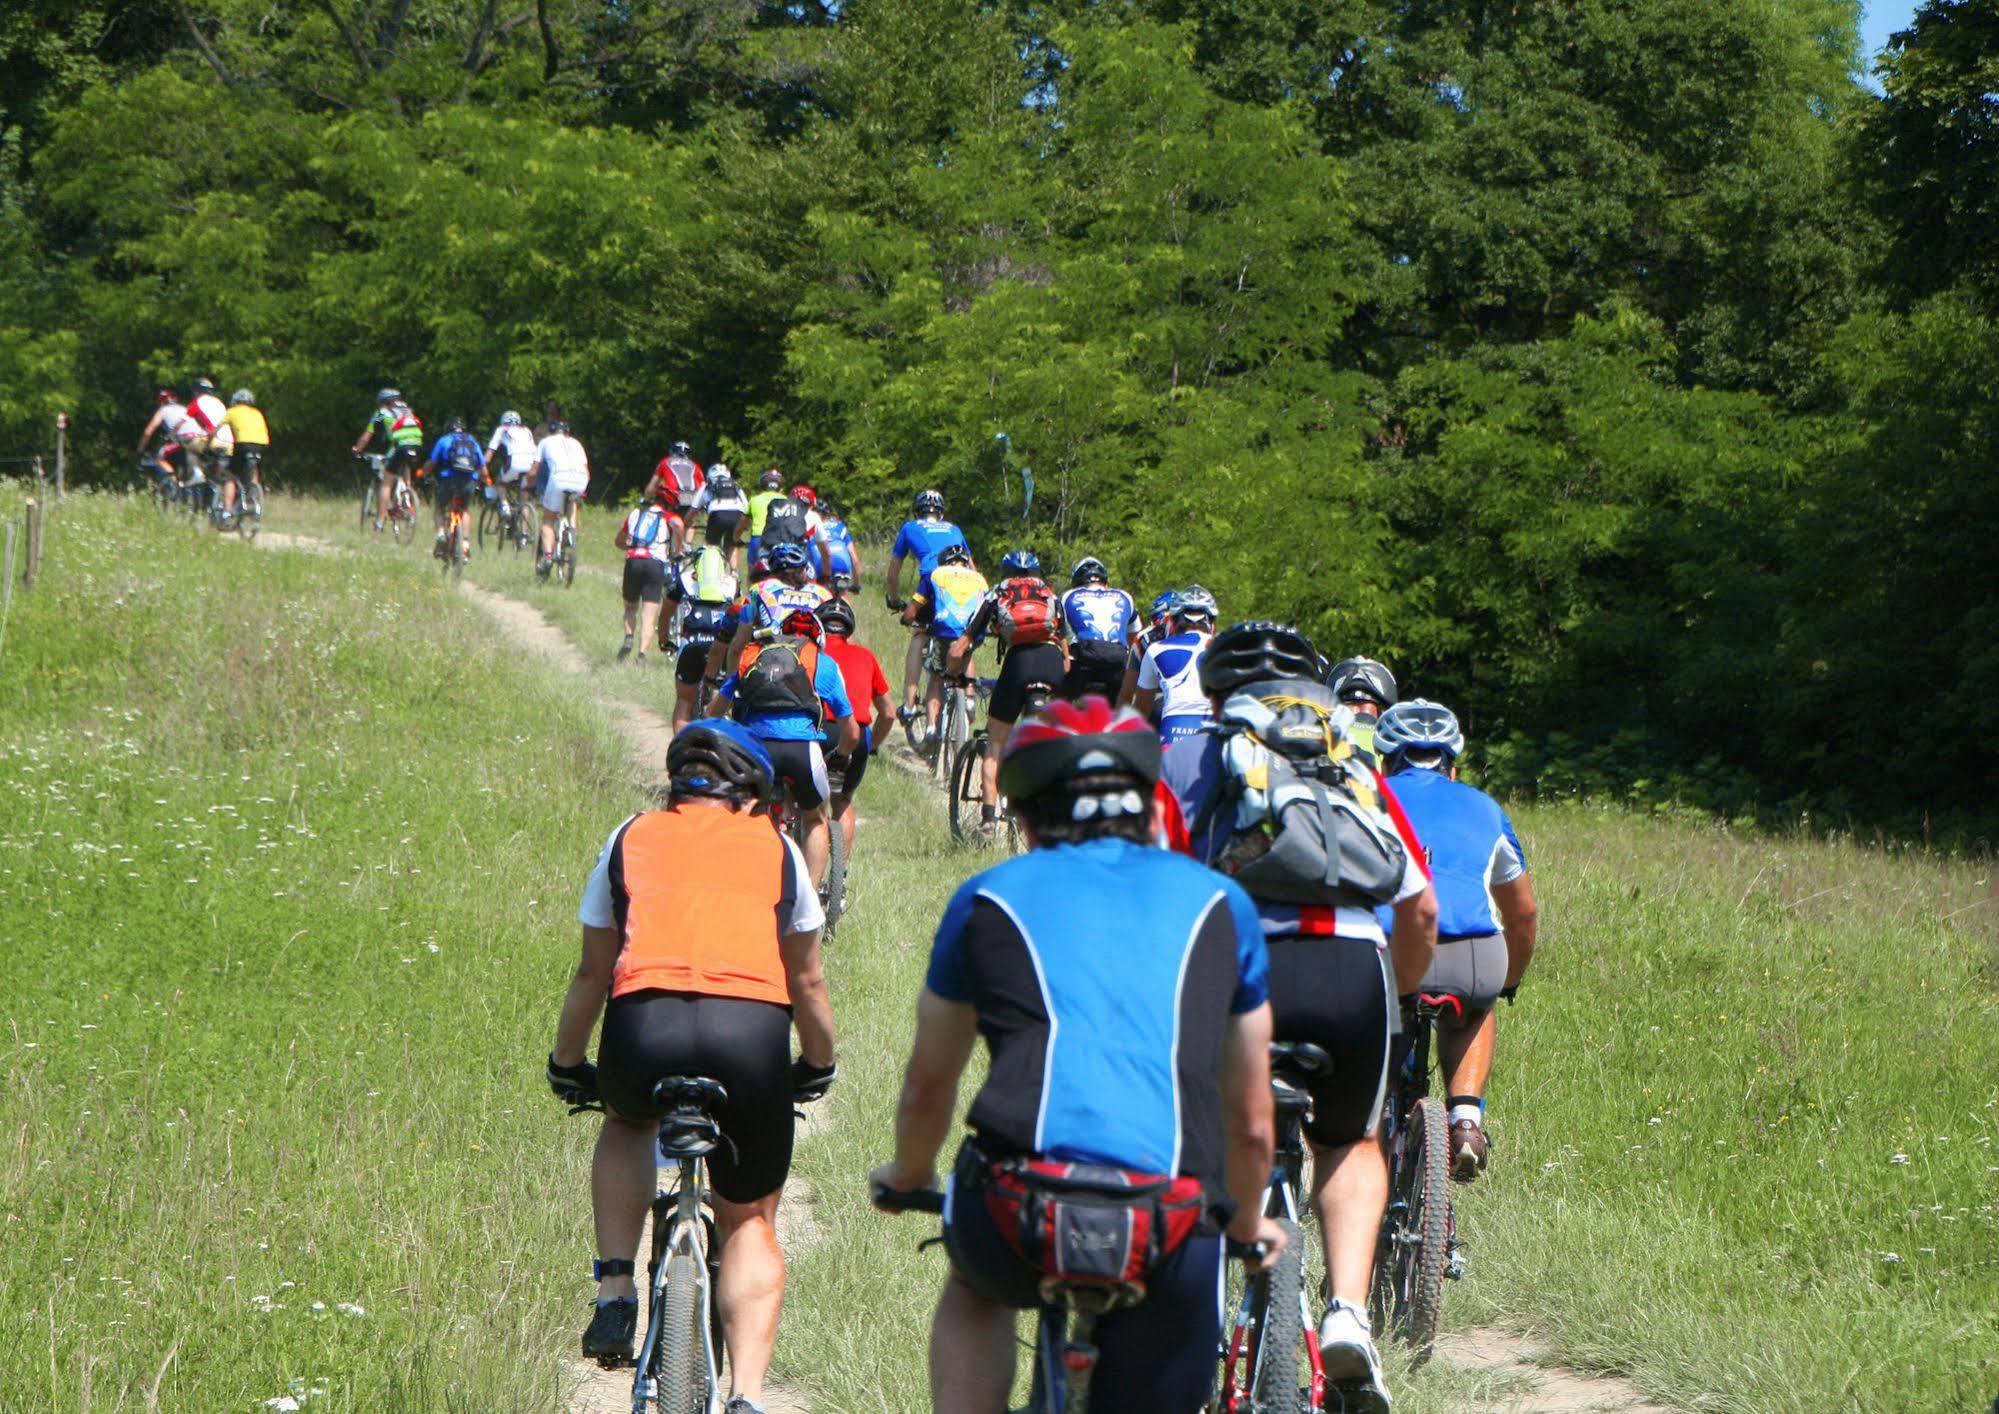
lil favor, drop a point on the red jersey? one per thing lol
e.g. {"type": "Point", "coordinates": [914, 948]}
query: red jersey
{"type": "Point", "coordinates": [862, 673]}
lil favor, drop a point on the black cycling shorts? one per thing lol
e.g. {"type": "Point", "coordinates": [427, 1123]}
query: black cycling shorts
{"type": "Point", "coordinates": [722, 526]}
{"type": "Point", "coordinates": [400, 457]}
{"type": "Point", "coordinates": [803, 765]}
{"type": "Point", "coordinates": [1337, 993]}
{"type": "Point", "coordinates": [692, 664]}
{"type": "Point", "coordinates": [1024, 666]}
{"type": "Point", "coordinates": [845, 777]}
{"type": "Point", "coordinates": [745, 1045]}
{"type": "Point", "coordinates": [645, 578]}
{"type": "Point", "coordinates": [1154, 1358]}
{"type": "Point", "coordinates": [1093, 677]}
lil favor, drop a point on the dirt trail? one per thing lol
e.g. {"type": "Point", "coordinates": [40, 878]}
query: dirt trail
{"type": "Point", "coordinates": [1555, 1388]}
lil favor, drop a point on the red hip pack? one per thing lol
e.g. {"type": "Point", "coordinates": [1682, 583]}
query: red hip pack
{"type": "Point", "coordinates": [1089, 1225]}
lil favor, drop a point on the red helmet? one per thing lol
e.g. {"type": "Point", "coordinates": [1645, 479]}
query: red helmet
{"type": "Point", "coordinates": [802, 623]}
{"type": "Point", "coordinates": [805, 494]}
{"type": "Point", "coordinates": [166, 396]}
{"type": "Point", "coordinates": [1068, 739]}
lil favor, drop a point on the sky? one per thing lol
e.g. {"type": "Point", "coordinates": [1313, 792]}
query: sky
{"type": "Point", "coordinates": [1878, 20]}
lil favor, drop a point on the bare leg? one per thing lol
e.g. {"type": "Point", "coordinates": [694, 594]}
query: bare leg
{"type": "Point", "coordinates": [933, 701]}
{"type": "Point", "coordinates": [683, 704]}
{"type": "Point", "coordinates": [912, 667]}
{"type": "Point", "coordinates": [971, 1352]}
{"type": "Point", "coordinates": [548, 519]}
{"type": "Point", "coordinates": [1349, 1194]}
{"type": "Point", "coordinates": [1466, 1052]}
{"type": "Point", "coordinates": [750, 1289]}
{"type": "Point", "coordinates": [622, 1179]}
{"type": "Point", "coordinates": [843, 820]}
{"type": "Point", "coordinates": [631, 617]}
{"type": "Point", "coordinates": [998, 732]}
{"type": "Point", "coordinates": [817, 843]}
{"type": "Point", "coordinates": [648, 625]}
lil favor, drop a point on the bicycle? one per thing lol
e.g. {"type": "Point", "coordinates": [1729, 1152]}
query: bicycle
{"type": "Point", "coordinates": [954, 719]}
{"type": "Point", "coordinates": [832, 888]}
{"type": "Point", "coordinates": [563, 559]}
{"type": "Point", "coordinates": [400, 518]}
{"type": "Point", "coordinates": [1418, 1248]}
{"type": "Point", "coordinates": [968, 787]}
{"type": "Point", "coordinates": [505, 520]}
{"type": "Point", "coordinates": [1271, 1364]}
{"type": "Point", "coordinates": [456, 548]}
{"type": "Point", "coordinates": [248, 516]}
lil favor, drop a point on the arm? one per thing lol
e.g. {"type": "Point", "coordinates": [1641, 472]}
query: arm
{"type": "Point", "coordinates": [1128, 689]}
{"type": "Point", "coordinates": [850, 735]}
{"type": "Point", "coordinates": [589, 987]}
{"type": "Point", "coordinates": [152, 425]}
{"type": "Point", "coordinates": [945, 1035]}
{"type": "Point", "coordinates": [623, 539]}
{"type": "Point", "coordinates": [884, 719]}
{"type": "Point", "coordinates": [1414, 940]}
{"type": "Point", "coordinates": [1142, 700]}
{"type": "Point", "coordinates": [825, 560]}
{"type": "Point", "coordinates": [1520, 920]}
{"type": "Point", "coordinates": [1249, 1126]}
{"type": "Point", "coordinates": [811, 1006]}
{"type": "Point", "coordinates": [894, 590]}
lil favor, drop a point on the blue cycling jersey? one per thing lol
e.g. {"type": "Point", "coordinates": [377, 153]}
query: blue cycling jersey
{"type": "Point", "coordinates": [1104, 975]}
{"type": "Point", "coordinates": [1097, 613]}
{"type": "Point", "coordinates": [798, 726]}
{"type": "Point", "coordinates": [839, 544]}
{"type": "Point", "coordinates": [926, 539]}
{"type": "Point", "coordinates": [1470, 844]}
{"type": "Point", "coordinates": [457, 454]}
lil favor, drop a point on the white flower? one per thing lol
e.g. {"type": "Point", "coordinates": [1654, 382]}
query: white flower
{"type": "Point", "coordinates": [1891, 1258]}
{"type": "Point", "coordinates": [283, 1403]}
{"type": "Point", "coordinates": [1898, 1158]}
{"type": "Point", "coordinates": [350, 1308]}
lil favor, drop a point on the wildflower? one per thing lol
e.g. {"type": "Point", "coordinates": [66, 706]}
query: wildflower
{"type": "Point", "coordinates": [1898, 1158]}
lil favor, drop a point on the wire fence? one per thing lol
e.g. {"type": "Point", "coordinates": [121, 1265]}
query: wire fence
{"type": "Point", "coordinates": [27, 534]}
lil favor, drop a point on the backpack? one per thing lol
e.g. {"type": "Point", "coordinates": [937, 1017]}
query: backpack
{"type": "Point", "coordinates": [1089, 1225]}
{"type": "Point", "coordinates": [464, 453]}
{"type": "Point", "coordinates": [1026, 611]}
{"type": "Point", "coordinates": [784, 523]}
{"type": "Point", "coordinates": [405, 421]}
{"type": "Point", "coordinates": [712, 581]}
{"type": "Point", "coordinates": [776, 677]}
{"type": "Point", "coordinates": [652, 523]}
{"type": "Point", "coordinates": [1308, 824]}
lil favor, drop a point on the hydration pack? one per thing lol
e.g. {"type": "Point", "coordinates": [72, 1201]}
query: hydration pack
{"type": "Point", "coordinates": [1026, 611]}
{"type": "Point", "coordinates": [784, 523]}
{"type": "Point", "coordinates": [1305, 821]}
{"type": "Point", "coordinates": [775, 678]}
{"type": "Point", "coordinates": [464, 453]}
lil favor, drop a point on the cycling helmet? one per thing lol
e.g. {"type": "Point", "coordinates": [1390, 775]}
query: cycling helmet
{"type": "Point", "coordinates": [1164, 605]}
{"type": "Point", "coordinates": [802, 623]}
{"type": "Point", "coordinates": [166, 396]}
{"type": "Point", "coordinates": [954, 555]}
{"type": "Point", "coordinates": [1067, 740]}
{"type": "Point", "coordinates": [510, 419]}
{"type": "Point", "coordinates": [1418, 725]}
{"type": "Point", "coordinates": [202, 385]}
{"type": "Point", "coordinates": [721, 758]}
{"type": "Point", "coordinates": [1196, 604]}
{"type": "Point", "coordinates": [681, 449]}
{"type": "Point", "coordinates": [772, 480]}
{"type": "Point", "coordinates": [842, 582]}
{"type": "Point", "coordinates": [784, 559]}
{"type": "Point", "coordinates": [558, 428]}
{"type": "Point", "coordinates": [1257, 651]}
{"type": "Point", "coordinates": [1090, 570]}
{"type": "Point", "coordinates": [387, 395]}
{"type": "Point", "coordinates": [1353, 679]}
{"type": "Point", "coordinates": [241, 398]}
{"type": "Point", "coordinates": [1021, 562]}
{"type": "Point", "coordinates": [805, 494]}
{"type": "Point", "coordinates": [929, 503]}
{"type": "Point", "coordinates": [457, 424]}
{"type": "Point", "coordinates": [837, 615]}
{"type": "Point", "coordinates": [721, 477]}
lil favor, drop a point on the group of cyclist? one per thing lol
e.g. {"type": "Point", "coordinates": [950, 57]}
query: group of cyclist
{"type": "Point", "coordinates": [204, 444]}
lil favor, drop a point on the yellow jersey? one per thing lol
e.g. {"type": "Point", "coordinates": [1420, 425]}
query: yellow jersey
{"type": "Point", "coordinates": [248, 425]}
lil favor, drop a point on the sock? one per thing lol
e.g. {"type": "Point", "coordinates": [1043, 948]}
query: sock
{"type": "Point", "coordinates": [1469, 1107]}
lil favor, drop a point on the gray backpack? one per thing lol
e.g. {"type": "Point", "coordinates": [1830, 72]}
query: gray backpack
{"type": "Point", "coordinates": [1303, 820]}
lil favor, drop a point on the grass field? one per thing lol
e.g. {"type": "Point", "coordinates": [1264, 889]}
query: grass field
{"type": "Point", "coordinates": [1743, 1117]}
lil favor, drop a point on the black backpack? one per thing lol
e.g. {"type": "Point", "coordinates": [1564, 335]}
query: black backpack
{"type": "Point", "coordinates": [784, 522]}
{"type": "Point", "coordinates": [776, 677]}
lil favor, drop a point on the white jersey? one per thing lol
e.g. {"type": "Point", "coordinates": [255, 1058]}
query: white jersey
{"type": "Point", "coordinates": [518, 441]}
{"type": "Point", "coordinates": [1172, 668]}
{"type": "Point", "coordinates": [646, 534]}
{"type": "Point", "coordinates": [568, 467]}
{"type": "Point", "coordinates": [706, 499]}
{"type": "Point", "coordinates": [205, 408]}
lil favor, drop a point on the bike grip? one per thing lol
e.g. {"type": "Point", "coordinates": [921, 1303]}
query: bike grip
{"type": "Point", "coordinates": [1247, 1251]}
{"type": "Point", "coordinates": [920, 1200]}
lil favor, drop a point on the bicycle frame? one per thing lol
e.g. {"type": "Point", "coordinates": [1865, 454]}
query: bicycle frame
{"type": "Point", "coordinates": [687, 1226]}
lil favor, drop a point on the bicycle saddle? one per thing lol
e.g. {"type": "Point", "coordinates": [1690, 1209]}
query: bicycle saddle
{"type": "Point", "coordinates": [687, 1125]}
{"type": "Point", "coordinates": [1299, 1059]}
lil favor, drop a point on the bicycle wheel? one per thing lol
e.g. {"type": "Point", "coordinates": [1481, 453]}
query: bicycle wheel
{"type": "Point", "coordinates": [968, 790]}
{"type": "Point", "coordinates": [833, 892]}
{"type": "Point", "coordinates": [568, 557]}
{"type": "Point", "coordinates": [1281, 1379]}
{"type": "Point", "coordinates": [1414, 1253]}
{"type": "Point", "coordinates": [489, 525]}
{"type": "Point", "coordinates": [680, 1374]}
{"type": "Point", "coordinates": [456, 552]}
{"type": "Point", "coordinates": [368, 507]}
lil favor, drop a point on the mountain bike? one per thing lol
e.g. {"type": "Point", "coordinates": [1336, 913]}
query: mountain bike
{"type": "Point", "coordinates": [505, 520]}
{"type": "Point", "coordinates": [832, 888]}
{"type": "Point", "coordinates": [457, 539]}
{"type": "Point", "coordinates": [400, 515]}
{"type": "Point", "coordinates": [563, 560]}
{"type": "Point", "coordinates": [968, 785]}
{"type": "Point", "coordinates": [1270, 1364]}
{"type": "Point", "coordinates": [954, 718]}
{"type": "Point", "coordinates": [1418, 1247]}
{"type": "Point", "coordinates": [248, 516]}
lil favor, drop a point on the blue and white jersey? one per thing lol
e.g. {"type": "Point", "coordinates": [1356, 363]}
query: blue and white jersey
{"type": "Point", "coordinates": [1104, 976]}
{"type": "Point", "coordinates": [1470, 845]}
{"type": "Point", "coordinates": [1172, 668]}
{"type": "Point", "coordinates": [1097, 613]}
{"type": "Point", "coordinates": [926, 539]}
{"type": "Point", "coordinates": [839, 544]}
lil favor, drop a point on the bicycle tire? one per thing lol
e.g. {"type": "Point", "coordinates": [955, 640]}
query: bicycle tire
{"type": "Point", "coordinates": [1408, 1297]}
{"type": "Point", "coordinates": [968, 790]}
{"type": "Point", "coordinates": [834, 889]}
{"type": "Point", "coordinates": [1278, 1384]}
{"type": "Point", "coordinates": [368, 507]}
{"type": "Point", "coordinates": [680, 1377]}
{"type": "Point", "coordinates": [489, 525]}
{"type": "Point", "coordinates": [569, 559]}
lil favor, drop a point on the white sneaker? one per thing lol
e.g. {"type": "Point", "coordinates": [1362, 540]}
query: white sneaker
{"type": "Point", "coordinates": [1346, 1346]}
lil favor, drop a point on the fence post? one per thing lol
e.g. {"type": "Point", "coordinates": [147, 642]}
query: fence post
{"type": "Point", "coordinates": [62, 455]}
{"type": "Point", "coordinates": [33, 548]}
{"type": "Point", "coordinates": [6, 587]}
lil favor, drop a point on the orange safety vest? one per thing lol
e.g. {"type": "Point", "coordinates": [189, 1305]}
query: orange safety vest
{"type": "Point", "coordinates": [696, 892]}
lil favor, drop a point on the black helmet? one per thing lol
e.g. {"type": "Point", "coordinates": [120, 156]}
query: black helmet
{"type": "Point", "coordinates": [954, 554]}
{"type": "Point", "coordinates": [718, 758]}
{"type": "Point", "coordinates": [1090, 570]}
{"type": "Point", "coordinates": [680, 449]}
{"type": "Point", "coordinates": [202, 385]}
{"type": "Point", "coordinates": [837, 615]}
{"type": "Point", "coordinates": [1356, 679]}
{"type": "Point", "coordinates": [929, 503]}
{"type": "Point", "coordinates": [457, 424]}
{"type": "Point", "coordinates": [772, 480]}
{"type": "Point", "coordinates": [558, 428]}
{"type": "Point", "coordinates": [1257, 652]}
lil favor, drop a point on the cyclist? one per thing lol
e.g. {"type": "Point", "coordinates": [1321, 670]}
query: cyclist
{"type": "Point", "coordinates": [1158, 627]}
{"type": "Point", "coordinates": [943, 606]}
{"type": "Point", "coordinates": [251, 439]}
{"type": "Point", "coordinates": [921, 539]}
{"type": "Point", "coordinates": [842, 556]}
{"type": "Point", "coordinates": [1027, 615]}
{"type": "Point", "coordinates": [703, 588]}
{"type": "Point", "coordinates": [167, 416]}
{"type": "Point", "coordinates": [1330, 983]}
{"type": "Point", "coordinates": [701, 951]}
{"type": "Point", "coordinates": [509, 455]}
{"type": "Point", "coordinates": [867, 689]}
{"type": "Point", "coordinates": [1154, 970]}
{"type": "Point", "coordinates": [1487, 918]}
{"type": "Point", "coordinates": [786, 689]}
{"type": "Point", "coordinates": [681, 475]}
{"type": "Point", "coordinates": [1169, 674]}
{"type": "Point", "coordinates": [725, 506]}
{"type": "Point", "coordinates": [459, 464]}
{"type": "Point", "coordinates": [402, 439]}
{"type": "Point", "coordinates": [790, 520]}
{"type": "Point", "coordinates": [561, 469]}
{"type": "Point", "coordinates": [770, 487]}
{"type": "Point", "coordinates": [1099, 622]}
{"type": "Point", "coordinates": [650, 538]}
{"type": "Point", "coordinates": [1368, 688]}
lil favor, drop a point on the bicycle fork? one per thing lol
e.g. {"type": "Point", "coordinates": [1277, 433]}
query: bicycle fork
{"type": "Point", "coordinates": [685, 1220]}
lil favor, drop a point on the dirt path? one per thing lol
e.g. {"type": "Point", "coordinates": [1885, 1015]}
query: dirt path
{"type": "Point", "coordinates": [1553, 1388]}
